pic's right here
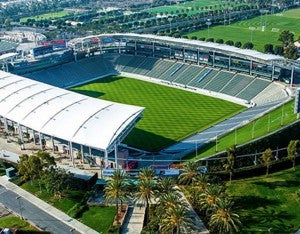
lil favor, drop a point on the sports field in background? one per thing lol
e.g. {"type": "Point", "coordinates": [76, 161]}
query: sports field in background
{"type": "Point", "coordinates": [170, 115]}
{"type": "Point", "coordinates": [191, 7]}
{"type": "Point", "coordinates": [52, 15]}
{"type": "Point", "coordinates": [274, 24]}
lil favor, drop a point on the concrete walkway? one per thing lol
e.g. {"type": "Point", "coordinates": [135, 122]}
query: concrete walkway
{"type": "Point", "coordinates": [134, 221]}
{"type": "Point", "coordinates": [73, 223]}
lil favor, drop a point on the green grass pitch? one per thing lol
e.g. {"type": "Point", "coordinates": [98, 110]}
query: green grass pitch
{"type": "Point", "coordinates": [170, 115]}
{"type": "Point", "coordinates": [274, 24]}
{"type": "Point", "coordinates": [52, 15]}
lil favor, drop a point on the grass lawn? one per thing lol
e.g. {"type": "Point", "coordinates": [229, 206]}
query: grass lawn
{"type": "Point", "coordinates": [16, 223]}
{"type": "Point", "coordinates": [190, 7]}
{"type": "Point", "coordinates": [99, 218]}
{"type": "Point", "coordinates": [52, 15]}
{"type": "Point", "coordinates": [64, 204]}
{"type": "Point", "coordinates": [170, 115]}
{"type": "Point", "coordinates": [258, 128]}
{"type": "Point", "coordinates": [268, 202]}
{"type": "Point", "coordinates": [239, 31]}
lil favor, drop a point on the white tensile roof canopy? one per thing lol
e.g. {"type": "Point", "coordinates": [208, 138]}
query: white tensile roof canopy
{"type": "Point", "coordinates": [64, 114]}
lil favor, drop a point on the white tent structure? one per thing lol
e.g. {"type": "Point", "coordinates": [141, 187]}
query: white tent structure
{"type": "Point", "coordinates": [65, 115]}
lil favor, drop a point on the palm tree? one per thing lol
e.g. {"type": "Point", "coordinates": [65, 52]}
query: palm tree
{"type": "Point", "coordinates": [175, 219]}
{"type": "Point", "coordinates": [266, 159]}
{"type": "Point", "coordinates": [147, 173]}
{"type": "Point", "coordinates": [292, 151]}
{"type": "Point", "coordinates": [210, 197]}
{"type": "Point", "coordinates": [229, 165]}
{"type": "Point", "coordinates": [165, 186]}
{"type": "Point", "coordinates": [144, 194]}
{"type": "Point", "coordinates": [115, 190]}
{"type": "Point", "coordinates": [191, 171]}
{"type": "Point", "coordinates": [223, 220]}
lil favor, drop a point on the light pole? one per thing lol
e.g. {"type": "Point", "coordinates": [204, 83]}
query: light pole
{"type": "Point", "coordinates": [170, 21]}
{"type": "Point", "coordinates": [208, 23]}
{"type": "Point", "coordinates": [18, 198]}
{"type": "Point", "coordinates": [251, 29]}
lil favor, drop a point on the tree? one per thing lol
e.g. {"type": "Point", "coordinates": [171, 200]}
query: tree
{"type": "Point", "coordinates": [278, 50]}
{"type": "Point", "coordinates": [291, 52]}
{"type": "Point", "coordinates": [223, 220]}
{"type": "Point", "coordinates": [267, 158]}
{"type": "Point", "coordinates": [210, 39]}
{"type": "Point", "coordinates": [57, 180]}
{"type": "Point", "coordinates": [115, 190]}
{"type": "Point", "coordinates": [7, 24]}
{"type": "Point", "coordinates": [238, 44]}
{"type": "Point", "coordinates": [191, 171]}
{"type": "Point", "coordinates": [144, 194]}
{"type": "Point", "coordinates": [269, 48]}
{"type": "Point", "coordinates": [248, 45]}
{"type": "Point", "coordinates": [229, 42]}
{"type": "Point", "coordinates": [209, 198]}
{"type": "Point", "coordinates": [146, 174]}
{"type": "Point", "coordinates": [230, 160]}
{"type": "Point", "coordinates": [34, 166]}
{"type": "Point", "coordinates": [220, 41]}
{"type": "Point", "coordinates": [165, 186]}
{"type": "Point", "coordinates": [174, 219]}
{"type": "Point", "coordinates": [286, 37]}
{"type": "Point", "coordinates": [292, 151]}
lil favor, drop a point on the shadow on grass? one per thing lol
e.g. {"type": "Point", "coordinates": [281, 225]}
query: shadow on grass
{"type": "Point", "coordinates": [265, 219]}
{"type": "Point", "coordinates": [89, 93]}
{"type": "Point", "coordinates": [148, 141]}
{"type": "Point", "coordinates": [279, 184]}
{"type": "Point", "coordinates": [254, 202]}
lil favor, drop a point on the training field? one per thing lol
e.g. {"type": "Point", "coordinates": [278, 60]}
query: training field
{"type": "Point", "coordinates": [190, 7]}
{"type": "Point", "coordinates": [274, 24]}
{"type": "Point", "coordinates": [52, 15]}
{"type": "Point", "coordinates": [171, 114]}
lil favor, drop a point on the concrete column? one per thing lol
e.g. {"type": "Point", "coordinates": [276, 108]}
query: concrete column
{"type": "Point", "coordinates": [292, 76]}
{"type": "Point", "coordinates": [229, 63]}
{"type": "Point", "coordinates": [273, 71]}
{"type": "Point", "coordinates": [251, 64]}
{"type": "Point", "coordinates": [53, 145]}
{"type": "Point", "coordinates": [135, 48]}
{"type": "Point", "coordinates": [41, 143]}
{"type": "Point", "coordinates": [33, 132]}
{"type": "Point", "coordinates": [105, 159]}
{"type": "Point", "coordinates": [90, 151]}
{"type": "Point", "coordinates": [21, 136]}
{"type": "Point", "coordinates": [116, 156]}
{"type": "Point", "coordinates": [183, 54]}
{"type": "Point", "coordinates": [71, 153]}
{"type": "Point", "coordinates": [82, 156]}
{"type": "Point", "coordinates": [213, 63]}
{"type": "Point", "coordinates": [198, 55]}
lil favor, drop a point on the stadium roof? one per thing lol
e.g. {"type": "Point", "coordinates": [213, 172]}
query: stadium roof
{"type": "Point", "coordinates": [230, 50]}
{"type": "Point", "coordinates": [64, 114]}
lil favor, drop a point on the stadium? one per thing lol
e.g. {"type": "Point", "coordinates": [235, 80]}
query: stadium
{"type": "Point", "coordinates": [249, 82]}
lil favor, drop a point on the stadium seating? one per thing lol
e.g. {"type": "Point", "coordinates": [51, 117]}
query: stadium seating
{"type": "Point", "coordinates": [190, 73]}
{"type": "Point", "coordinates": [253, 89]}
{"type": "Point", "coordinates": [219, 81]}
{"type": "Point", "coordinates": [236, 84]}
{"type": "Point", "coordinates": [73, 73]}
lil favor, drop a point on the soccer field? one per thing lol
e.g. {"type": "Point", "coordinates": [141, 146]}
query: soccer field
{"type": "Point", "coordinates": [274, 24]}
{"type": "Point", "coordinates": [170, 115]}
